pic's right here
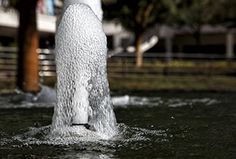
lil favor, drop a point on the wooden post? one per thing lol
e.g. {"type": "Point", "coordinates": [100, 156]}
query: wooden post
{"type": "Point", "coordinates": [28, 65]}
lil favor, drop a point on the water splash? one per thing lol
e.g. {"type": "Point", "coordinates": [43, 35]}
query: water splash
{"type": "Point", "coordinates": [126, 135]}
{"type": "Point", "coordinates": [126, 101]}
{"type": "Point", "coordinates": [135, 101]}
{"type": "Point", "coordinates": [82, 87]}
{"type": "Point", "coordinates": [37, 139]}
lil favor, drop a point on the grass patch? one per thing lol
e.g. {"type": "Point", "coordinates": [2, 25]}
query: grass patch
{"type": "Point", "coordinates": [185, 83]}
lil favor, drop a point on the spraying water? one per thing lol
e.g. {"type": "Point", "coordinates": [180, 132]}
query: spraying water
{"type": "Point", "coordinates": [83, 105]}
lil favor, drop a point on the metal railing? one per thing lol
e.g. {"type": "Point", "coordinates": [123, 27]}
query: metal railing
{"type": "Point", "coordinates": [46, 62]}
{"type": "Point", "coordinates": [183, 56]}
{"type": "Point", "coordinates": [121, 65]}
{"type": "Point", "coordinates": [8, 63]}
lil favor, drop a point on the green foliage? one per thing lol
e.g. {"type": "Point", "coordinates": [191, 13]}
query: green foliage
{"type": "Point", "coordinates": [137, 16]}
{"type": "Point", "coordinates": [227, 12]}
{"type": "Point", "coordinates": [14, 3]}
{"type": "Point", "coordinates": [192, 13]}
{"type": "Point", "coordinates": [195, 13]}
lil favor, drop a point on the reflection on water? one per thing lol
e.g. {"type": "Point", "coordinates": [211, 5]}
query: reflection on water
{"type": "Point", "coordinates": [160, 125]}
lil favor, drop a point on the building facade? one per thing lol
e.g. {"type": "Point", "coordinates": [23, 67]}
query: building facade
{"type": "Point", "coordinates": [217, 40]}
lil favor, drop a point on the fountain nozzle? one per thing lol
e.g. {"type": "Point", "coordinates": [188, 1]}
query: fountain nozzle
{"type": "Point", "coordinates": [87, 126]}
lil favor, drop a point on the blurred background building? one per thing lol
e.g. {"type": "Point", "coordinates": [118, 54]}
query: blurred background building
{"type": "Point", "coordinates": [217, 39]}
{"type": "Point", "coordinates": [47, 11]}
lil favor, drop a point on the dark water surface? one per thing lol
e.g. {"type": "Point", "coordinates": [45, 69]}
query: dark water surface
{"type": "Point", "coordinates": [153, 125]}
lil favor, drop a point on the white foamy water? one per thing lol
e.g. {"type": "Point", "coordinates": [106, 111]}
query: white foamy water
{"type": "Point", "coordinates": [82, 87]}
{"type": "Point", "coordinates": [135, 101]}
{"type": "Point", "coordinates": [95, 5]}
{"type": "Point", "coordinates": [125, 101]}
{"type": "Point", "coordinates": [38, 101]}
{"type": "Point", "coordinates": [126, 135]}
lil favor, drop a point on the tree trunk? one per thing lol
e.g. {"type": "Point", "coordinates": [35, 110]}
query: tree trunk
{"type": "Point", "coordinates": [138, 50]}
{"type": "Point", "coordinates": [28, 65]}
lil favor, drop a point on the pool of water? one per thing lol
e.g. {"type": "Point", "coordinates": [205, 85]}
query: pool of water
{"type": "Point", "coordinates": [151, 125]}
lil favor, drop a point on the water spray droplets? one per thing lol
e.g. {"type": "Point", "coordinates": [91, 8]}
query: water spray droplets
{"type": "Point", "coordinates": [82, 90]}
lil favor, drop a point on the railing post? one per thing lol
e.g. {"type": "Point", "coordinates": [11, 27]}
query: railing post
{"type": "Point", "coordinates": [229, 45]}
{"type": "Point", "coordinates": [168, 46]}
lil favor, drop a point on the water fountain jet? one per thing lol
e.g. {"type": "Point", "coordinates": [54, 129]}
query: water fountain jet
{"type": "Point", "coordinates": [83, 98]}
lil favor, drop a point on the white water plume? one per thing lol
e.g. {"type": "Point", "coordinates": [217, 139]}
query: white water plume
{"type": "Point", "coordinates": [83, 95]}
